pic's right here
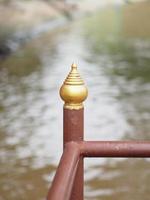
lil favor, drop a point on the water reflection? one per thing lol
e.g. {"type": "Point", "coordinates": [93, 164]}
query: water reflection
{"type": "Point", "coordinates": [116, 71]}
{"type": "Point", "coordinates": [125, 60]}
{"type": "Point", "coordinates": [119, 179]}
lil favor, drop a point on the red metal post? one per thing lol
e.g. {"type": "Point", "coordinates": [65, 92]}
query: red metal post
{"type": "Point", "coordinates": [73, 121]}
{"type": "Point", "coordinates": [73, 131]}
{"type": "Point", "coordinates": [74, 92]}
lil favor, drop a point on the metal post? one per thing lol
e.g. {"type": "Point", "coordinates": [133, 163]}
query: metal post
{"type": "Point", "coordinates": [74, 92]}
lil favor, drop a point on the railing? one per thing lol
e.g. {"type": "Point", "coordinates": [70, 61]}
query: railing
{"type": "Point", "coordinates": [69, 179]}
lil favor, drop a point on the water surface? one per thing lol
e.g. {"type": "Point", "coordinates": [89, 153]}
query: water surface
{"type": "Point", "coordinates": [114, 63]}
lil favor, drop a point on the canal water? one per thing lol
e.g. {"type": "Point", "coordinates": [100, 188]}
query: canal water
{"type": "Point", "coordinates": [112, 51]}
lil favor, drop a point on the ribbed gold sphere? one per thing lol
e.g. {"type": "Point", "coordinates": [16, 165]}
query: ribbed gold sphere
{"type": "Point", "coordinates": [73, 91]}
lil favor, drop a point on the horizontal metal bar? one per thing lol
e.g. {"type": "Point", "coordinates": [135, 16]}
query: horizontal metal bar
{"type": "Point", "coordinates": [63, 181]}
{"type": "Point", "coordinates": [115, 149]}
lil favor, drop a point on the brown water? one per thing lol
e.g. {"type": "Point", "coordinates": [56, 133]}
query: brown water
{"type": "Point", "coordinates": [115, 64]}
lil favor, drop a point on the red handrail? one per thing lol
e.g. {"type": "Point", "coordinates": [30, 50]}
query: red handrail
{"type": "Point", "coordinates": [68, 181]}
{"type": "Point", "coordinates": [136, 149]}
{"type": "Point", "coordinates": [63, 181]}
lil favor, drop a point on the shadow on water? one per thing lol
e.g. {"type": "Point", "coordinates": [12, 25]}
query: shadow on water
{"type": "Point", "coordinates": [115, 66]}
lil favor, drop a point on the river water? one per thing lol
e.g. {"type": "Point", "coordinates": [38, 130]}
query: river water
{"type": "Point", "coordinates": [114, 61]}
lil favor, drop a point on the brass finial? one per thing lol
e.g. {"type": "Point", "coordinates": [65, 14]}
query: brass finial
{"type": "Point", "coordinates": [73, 91]}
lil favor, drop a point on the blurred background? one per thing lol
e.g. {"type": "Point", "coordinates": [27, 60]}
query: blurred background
{"type": "Point", "coordinates": [110, 42]}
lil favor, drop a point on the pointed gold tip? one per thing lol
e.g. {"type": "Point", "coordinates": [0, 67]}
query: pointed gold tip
{"type": "Point", "coordinates": [74, 65]}
{"type": "Point", "coordinates": [73, 91]}
{"type": "Point", "coordinates": [73, 77]}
